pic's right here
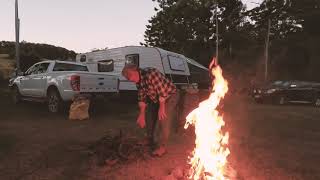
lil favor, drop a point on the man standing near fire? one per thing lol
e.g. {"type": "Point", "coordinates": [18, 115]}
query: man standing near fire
{"type": "Point", "coordinates": [153, 85]}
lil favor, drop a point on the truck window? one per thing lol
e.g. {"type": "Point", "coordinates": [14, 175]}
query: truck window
{"type": "Point", "coordinates": [43, 67]}
{"type": "Point", "coordinates": [176, 63]}
{"type": "Point", "coordinates": [69, 67]}
{"type": "Point", "coordinates": [106, 65]}
{"type": "Point", "coordinates": [132, 59]}
{"type": "Point", "coordinates": [32, 70]}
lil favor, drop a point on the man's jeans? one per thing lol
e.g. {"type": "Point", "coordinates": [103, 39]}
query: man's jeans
{"type": "Point", "coordinates": [164, 127]}
{"type": "Point", "coordinates": [151, 120]}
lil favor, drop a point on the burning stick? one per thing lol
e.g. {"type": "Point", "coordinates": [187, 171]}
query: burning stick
{"type": "Point", "coordinates": [209, 157]}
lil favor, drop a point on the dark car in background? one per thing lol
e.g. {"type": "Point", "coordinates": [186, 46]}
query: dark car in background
{"type": "Point", "coordinates": [283, 92]}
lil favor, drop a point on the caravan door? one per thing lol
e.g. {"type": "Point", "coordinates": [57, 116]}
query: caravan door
{"type": "Point", "coordinates": [176, 68]}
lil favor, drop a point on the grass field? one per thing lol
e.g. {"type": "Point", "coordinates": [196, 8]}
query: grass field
{"type": "Point", "coordinates": [267, 142]}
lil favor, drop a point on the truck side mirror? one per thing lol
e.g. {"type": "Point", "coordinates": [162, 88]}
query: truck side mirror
{"type": "Point", "coordinates": [21, 73]}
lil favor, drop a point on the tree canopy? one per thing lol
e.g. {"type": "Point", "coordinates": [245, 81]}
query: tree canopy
{"type": "Point", "coordinates": [189, 27]}
{"type": "Point", "coordinates": [31, 53]}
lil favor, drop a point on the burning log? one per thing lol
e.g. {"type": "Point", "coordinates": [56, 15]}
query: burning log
{"type": "Point", "coordinates": [183, 173]}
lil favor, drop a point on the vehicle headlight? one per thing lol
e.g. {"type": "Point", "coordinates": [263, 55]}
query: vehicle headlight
{"type": "Point", "coordinates": [271, 91]}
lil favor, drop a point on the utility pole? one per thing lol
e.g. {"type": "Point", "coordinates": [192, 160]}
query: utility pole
{"type": "Point", "coordinates": [267, 51]}
{"type": "Point", "coordinates": [17, 28]}
{"type": "Point", "coordinates": [267, 47]}
{"type": "Point", "coordinates": [217, 34]}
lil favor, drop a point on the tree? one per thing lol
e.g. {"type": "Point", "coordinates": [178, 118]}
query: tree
{"type": "Point", "coordinates": [31, 53]}
{"type": "Point", "coordinates": [283, 21]}
{"type": "Point", "coordinates": [188, 26]}
{"type": "Point", "coordinates": [309, 12]}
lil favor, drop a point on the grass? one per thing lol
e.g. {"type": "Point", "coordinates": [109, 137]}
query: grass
{"type": "Point", "coordinates": [7, 143]}
{"type": "Point", "coordinates": [276, 142]}
{"type": "Point", "coordinates": [266, 142]}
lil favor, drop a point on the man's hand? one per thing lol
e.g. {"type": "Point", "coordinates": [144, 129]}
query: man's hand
{"type": "Point", "coordinates": [162, 114]}
{"type": "Point", "coordinates": [141, 121]}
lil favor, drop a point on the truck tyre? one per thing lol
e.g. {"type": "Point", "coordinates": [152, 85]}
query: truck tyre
{"type": "Point", "coordinates": [317, 102]}
{"type": "Point", "coordinates": [282, 100]}
{"type": "Point", "coordinates": [54, 101]}
{"type": "Point", "coordinates": [16, 96]}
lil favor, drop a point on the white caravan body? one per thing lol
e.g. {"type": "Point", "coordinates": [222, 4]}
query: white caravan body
{"type": "Point", "coordinates": [173, 65]}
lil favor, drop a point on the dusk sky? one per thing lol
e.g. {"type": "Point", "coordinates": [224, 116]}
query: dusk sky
{"type": "Point", "coordinates": [80, 25]}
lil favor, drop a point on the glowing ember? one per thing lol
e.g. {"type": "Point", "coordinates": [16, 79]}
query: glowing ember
{"type": "Point", "coordinates": [209, 157]}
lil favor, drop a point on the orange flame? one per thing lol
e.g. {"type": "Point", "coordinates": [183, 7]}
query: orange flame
{"type": "Point", "coordinates": [209, 157]}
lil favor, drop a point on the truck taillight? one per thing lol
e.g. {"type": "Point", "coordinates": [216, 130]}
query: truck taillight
{"type": "Point", "coordinates": [75, 82]}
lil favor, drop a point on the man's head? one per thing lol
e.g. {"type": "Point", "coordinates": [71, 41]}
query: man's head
{"type": "Point", "coordinates": [131, 72]}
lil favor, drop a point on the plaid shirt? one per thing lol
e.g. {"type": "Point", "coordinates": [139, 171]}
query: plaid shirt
{"type": "Point", "coordinates": [154, 84]}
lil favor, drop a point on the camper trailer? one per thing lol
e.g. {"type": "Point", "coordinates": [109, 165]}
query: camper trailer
{"type": "Point", "coordinates": [180, 69]}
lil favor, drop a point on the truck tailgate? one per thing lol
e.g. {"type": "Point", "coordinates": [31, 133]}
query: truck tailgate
{"type": "Point", "coordinates": [93, 82]}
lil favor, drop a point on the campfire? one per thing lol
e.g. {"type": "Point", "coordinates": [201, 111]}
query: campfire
{"type": "Point", "coordinates": [209, 157]}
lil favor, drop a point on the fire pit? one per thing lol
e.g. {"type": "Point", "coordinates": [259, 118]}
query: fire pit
{"type": "Point", "coordinates": [118, 149]}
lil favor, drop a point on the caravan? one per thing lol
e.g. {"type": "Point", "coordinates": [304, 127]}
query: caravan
{"type": "Point", "coordinates": [180, 69]}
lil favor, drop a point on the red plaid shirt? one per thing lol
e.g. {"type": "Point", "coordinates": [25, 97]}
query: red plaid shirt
{"type": "Point", "coordinates": [154, 85]}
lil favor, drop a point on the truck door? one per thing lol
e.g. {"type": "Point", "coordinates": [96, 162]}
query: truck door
{"type": "Point", "coordinates": [39, 80]}
{"type": "Point", "coordinates": [26, 87]}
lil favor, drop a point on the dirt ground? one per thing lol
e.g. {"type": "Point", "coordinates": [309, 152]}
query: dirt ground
{"type": "Point", "coordinates": [266, 142]}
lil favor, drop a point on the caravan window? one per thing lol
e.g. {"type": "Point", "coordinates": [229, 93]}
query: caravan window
{"type": "Point", "coordinates": [132, 59]}
{"type": "Point", "coordinates": [83, 58]}
{"type": "Point", "coordinates": [176, 63]}
{"type": "Point", "coordinates": [106, 66]}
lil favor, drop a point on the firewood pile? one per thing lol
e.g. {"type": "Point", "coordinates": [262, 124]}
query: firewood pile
{"type": "Point", "coordinates": [118, 149]}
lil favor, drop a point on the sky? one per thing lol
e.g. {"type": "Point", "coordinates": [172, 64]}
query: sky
{"type": "Point", "coordinates": [80, 25]}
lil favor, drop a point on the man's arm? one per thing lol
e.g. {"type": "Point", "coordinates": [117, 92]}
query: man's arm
{"type": "Point", "coordinates": [141, 121]}
{"type": "Point", "coordinates": [162, 115]}
{"type": "Point", "coordinates": [142, 108]}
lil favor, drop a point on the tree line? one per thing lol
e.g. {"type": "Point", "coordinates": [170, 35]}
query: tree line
{"type": "Point", "coordinates": [31, 53]}
{"type": "Point", "coordinates": [189, 27]}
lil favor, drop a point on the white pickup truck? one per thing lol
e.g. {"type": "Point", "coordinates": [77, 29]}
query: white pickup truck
{"type": "Point", "coordinates": [56, 82]}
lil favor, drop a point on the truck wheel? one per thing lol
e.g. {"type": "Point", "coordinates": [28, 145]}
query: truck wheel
{"type": "Point", "coordinates": [282, 100]}
{"type": "Point", "coordinates": [16, 96]}
{"type": "Point", "coordinates": [258, 101]}
{"type": "Point", "coordinates": [317, 102]}
{"type": "Point", "coordinates": [54, 101]}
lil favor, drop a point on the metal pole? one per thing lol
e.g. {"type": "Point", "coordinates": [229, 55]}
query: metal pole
{"type": "Point", "coordinates": [267, 51]}
{"type": "Point", "coordinates": [17, 28]}
{"type": "Point", "coordinates": [217, 35]}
